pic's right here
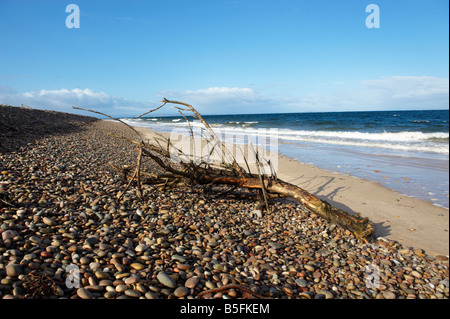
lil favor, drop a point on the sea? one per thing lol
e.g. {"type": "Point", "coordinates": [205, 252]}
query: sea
{"type": "Point", "coordinates": [407, 151]}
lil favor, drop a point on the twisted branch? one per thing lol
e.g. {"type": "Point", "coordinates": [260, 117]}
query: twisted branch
{"type": "Point", "coordinates": [189, 173]}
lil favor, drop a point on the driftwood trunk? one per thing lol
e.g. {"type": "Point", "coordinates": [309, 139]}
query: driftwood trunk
{"type": "Point", "coordinates": [361, 227]}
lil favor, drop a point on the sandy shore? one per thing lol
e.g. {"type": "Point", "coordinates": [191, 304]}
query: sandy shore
{"type": "Point", "coordinates": [410, 221]}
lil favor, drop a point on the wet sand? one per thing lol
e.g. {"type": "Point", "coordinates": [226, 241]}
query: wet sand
{"type": "Point", "coordinates": [423, 176]}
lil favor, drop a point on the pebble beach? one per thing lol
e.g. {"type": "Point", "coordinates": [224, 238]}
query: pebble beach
{"type": "Point", "coordinates": [60, 210]}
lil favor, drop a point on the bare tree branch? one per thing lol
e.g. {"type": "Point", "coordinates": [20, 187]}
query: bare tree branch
{"type": "Point", "coordinates": [200, 171]}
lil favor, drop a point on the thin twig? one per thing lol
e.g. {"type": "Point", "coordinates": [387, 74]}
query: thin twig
{"type": "Point", "coordinates": [245, 160]}
{"type": "Point", "coordinates": [152, 110]}
{"type": "Point", "coordinates": [210, 131]}
{"type": "Point", "coordinates": [261, 178]}
{"type": "Point", "coordinates": [129, 183]}
{"type": "Point", "coordinates": [192, 135]}
{"type": "Point", "coordinates": [138, 173]}
{"type": "Point", "coordinates": [119, 120]}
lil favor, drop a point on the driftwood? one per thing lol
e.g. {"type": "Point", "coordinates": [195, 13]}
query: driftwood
{"type": "Point", "coordinates": [191, 171]}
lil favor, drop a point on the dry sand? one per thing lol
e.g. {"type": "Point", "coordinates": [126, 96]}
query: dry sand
{"type": "Point", "coordinates": [410, 221]}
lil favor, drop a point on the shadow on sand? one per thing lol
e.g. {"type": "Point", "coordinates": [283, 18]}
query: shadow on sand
{"type": "Point", "coordinates": [323, 192]}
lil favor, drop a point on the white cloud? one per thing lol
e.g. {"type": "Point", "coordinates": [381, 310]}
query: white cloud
{"type": "Point", "coordinates": [386, 93]}
{"type": "Point", "coordinates": [223, 90]}
{"type": "Point", "coordinates": [221, 95]}
{"type": "Point", "coordinates": [407, 89]}
{"type": "Point", "coordinates": [223, 100]}
{"type": "Point", "coordinates": [406, 92]}
{"type": "Point", "coordinates": [63, 100]}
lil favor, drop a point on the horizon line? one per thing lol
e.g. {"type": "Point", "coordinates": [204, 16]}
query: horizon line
{"type": "Point", "coordinates": [305, 112]}
{"type": "Point", "coordinates": [237, 114]}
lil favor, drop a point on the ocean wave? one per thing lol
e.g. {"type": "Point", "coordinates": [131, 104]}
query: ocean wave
{"type": "Point", "coordinates": [436, 142]}
{"type": "Point", "coordinates": [416, 147]}
{"type": "Point", "coordinates": [347, 135]}
{"type": "Point", "coordinates": [385, 136]}
{"type": "Point", "coordinates": [404, 141]}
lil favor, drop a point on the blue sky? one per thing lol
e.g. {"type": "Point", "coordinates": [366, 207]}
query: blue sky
{"type": "Point", "coordinates": [225, 56]}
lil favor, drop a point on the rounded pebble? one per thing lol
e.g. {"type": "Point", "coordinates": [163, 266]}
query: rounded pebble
{"type": "Point", "coordinates": [71, 222]}
{"type": "Point", "coordinates": [191, 282]}
{"type": "Point", "coordinates": [84, 293]}
{"type": "Point", "coordinates": [389, 294]}
{"type": "Point", "coordinates": [166, 280]}
{"type": "Point", "coordinates": [132, 293]}
{"type": "Point", "coordinates": [181, 292]}
{"type": "Point", "coordinates": [13, 270]}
